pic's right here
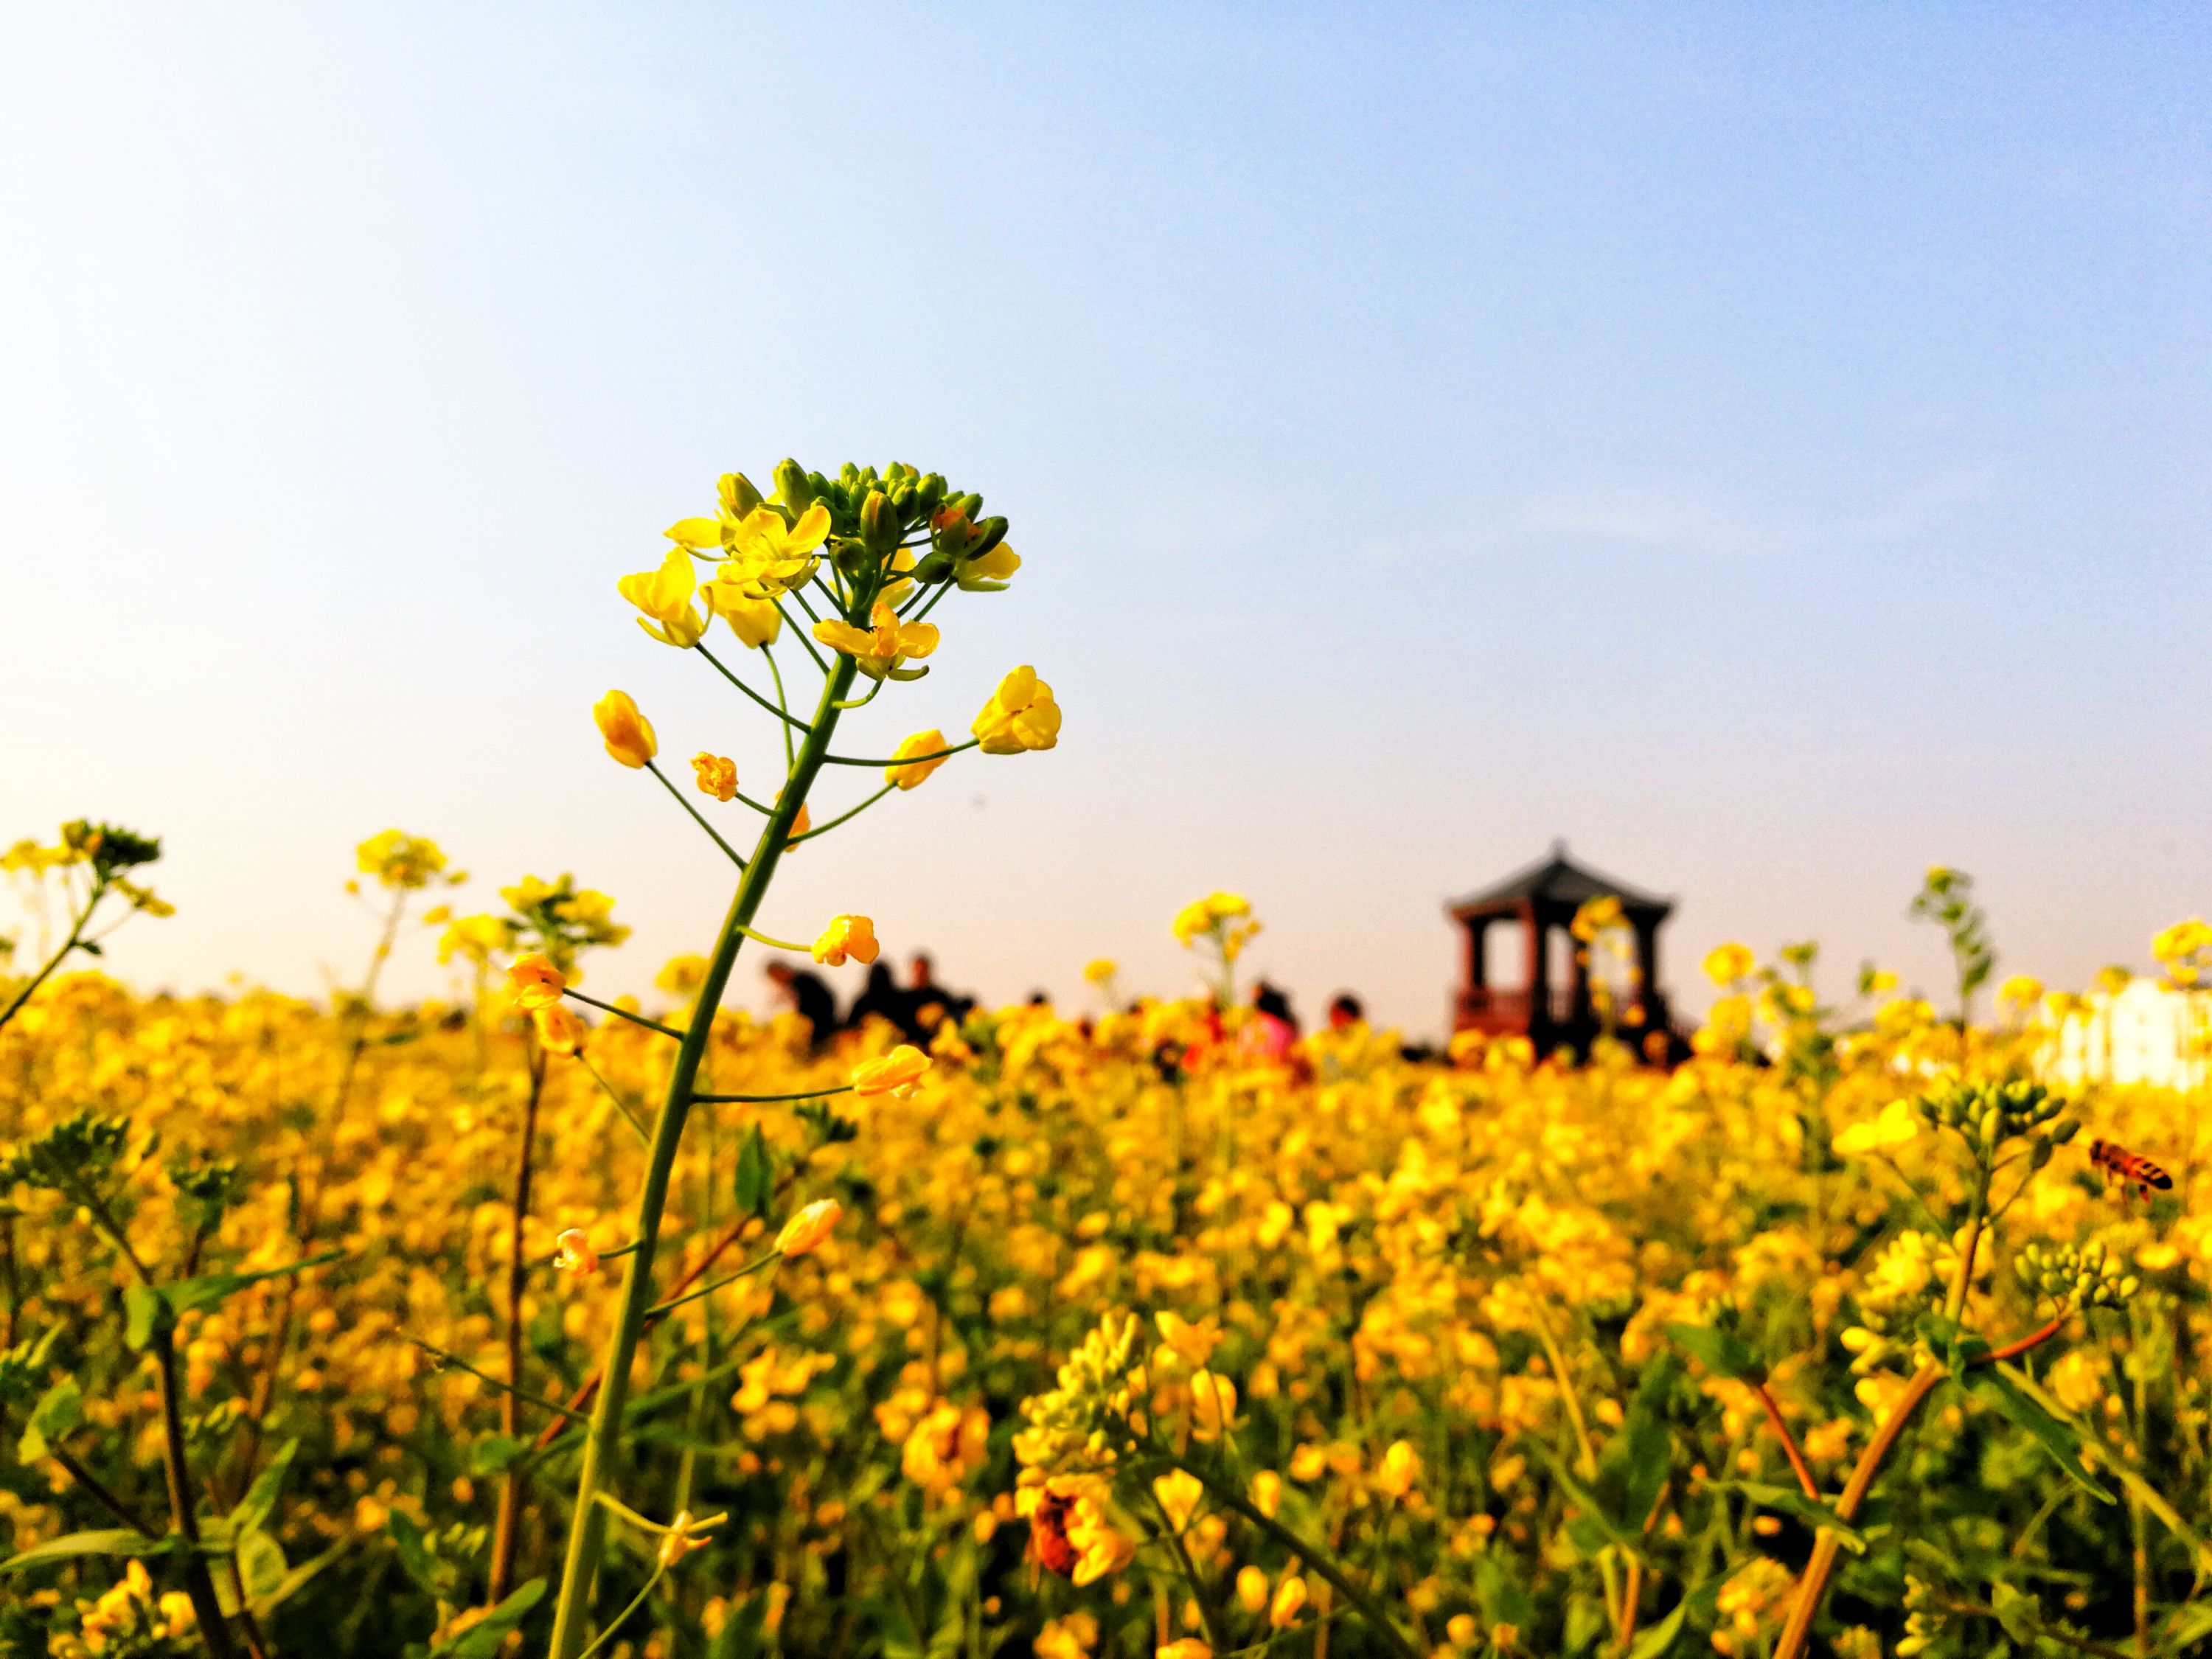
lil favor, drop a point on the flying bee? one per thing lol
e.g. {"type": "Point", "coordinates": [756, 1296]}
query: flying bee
{"type": "Point", "coordinates": [2138, 1173]}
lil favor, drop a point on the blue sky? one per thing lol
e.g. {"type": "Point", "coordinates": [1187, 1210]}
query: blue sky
{"type": "Point", "coordinates": [1767, 447]}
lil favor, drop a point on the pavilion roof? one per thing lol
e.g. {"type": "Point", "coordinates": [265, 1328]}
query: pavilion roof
{"type": "Point", "coordinates": [1557, 879]}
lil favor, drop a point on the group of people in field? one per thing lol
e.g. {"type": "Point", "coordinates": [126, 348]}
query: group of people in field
{"type": "Point", "coordinates": [921, 1005]}
{"type": "Point", "coordinates": [917, 1007]}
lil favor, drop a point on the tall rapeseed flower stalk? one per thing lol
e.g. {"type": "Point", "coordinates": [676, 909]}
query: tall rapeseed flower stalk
{"type": "Point", "coordinates": [876, 553]}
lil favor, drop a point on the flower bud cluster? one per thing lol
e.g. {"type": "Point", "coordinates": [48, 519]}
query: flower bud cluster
{"type": "Point", "coordinates": [76, 1151]}
{"type": "Point", "coordinates": [1924, 1617]}
{"type": "Point", "coordinates": [1990, 1114]}
{"type": "Point", "coordinates": [2089, 1276]}
{"type": "Point", "coordinates": [1078, 1423]}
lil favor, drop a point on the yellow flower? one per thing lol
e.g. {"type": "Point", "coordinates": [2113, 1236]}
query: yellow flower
{"type": "Point", "coordinates": [1101, 971]}
{"type": "Point", "coordinates": [1188, 1647]}
{"type": "Point", "coordinates": [2185, 950]}
{"type": "Point", "coordinates": [398, 859]}
{"type": "Point", "coordinates": [1101, 1550]}
{"type": "Point", "coordinates": [800, 826]}
{"type": "Point", "coordinates": [846, 936]}
{"type": "Point", "coordinates": [628, 734]}
{"type": "Point", "coordinates": [681, 976]}
{"type": "Point", "coordinates": [754, 622]}
{"type": "Point", "coordinates": [1020, 715]}
{"type": "Point", "coordinates": [535, 982]}
{"type": "Point", "coordinates": [769, 556]}
{"type": "Point", "coordinates": [685, 1535]}
{"type": "Point", "coordinates": [1400, 1468]}
{"type": "Point", "coordinates": [805, 1231]}
{"type": "Point", "coordinates": [1726, 964]}
{"type": "Point", "coordinates": [1290, 1596]}
{"type": "Point", "coordinates": [1213, 1405]}
{"type": "Point", "coordinates": [665, 597]}
{"type": "Point", "coordinates": [987, 573]}
{"type": "Point", "coordinates": [1896, 1123]}
{"type": "Point", "coordinates": [1179, 1495]}
{"type": "Point", "coordinates": [575, 1254]}
{"type": "Point", "coordinates": [718, 774]}
{"type": "Point", "coordinates": [1252, 1589]}
{"type": "Point", "coordinates": [880, 647]}
{"type": "Point", "coordinates": [907, 774]}
{"type": "Point", "coordinates": [561, 1031]}
{"type": "Point", "coordinates": [897, 1073]}
{"type": "Point", "coordinates": [1202, 916]}
{"type": "Point", "coordinates": [2020, 991]}
{"type": "Point", "coordinates": [1194, 1343]}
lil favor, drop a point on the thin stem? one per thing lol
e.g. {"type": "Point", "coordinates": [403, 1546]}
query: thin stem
{"type": "Point", "coordinates": [629, 1117]}
{"type": "Point", "coordinates": [943, 588]}
{"type": "Point", "coordinates": [622, 1013]}
{"type": "Point", "coordinates": [75, 932]}
{"type": "Point", "coordinates": [1789, 1442]}
{"type": "Point", "coordinates": [770, 1100]}
{"type": "Point", "coordinates": [1205, 1613]}
{"type": "Point", "coordinates": [507, 1534]}
{"type": "Point", "coordinates": [783, 714]}
{"type": "Point", "coordinates": [759, 937]}
{"type": "Point", "coordinates": [607, 1635]}
{"type": "Point", "coordinates": [603, 1448]}
{"type": "Point", "coordinates": [697, 817]}
{"type": "Point", "coordinates": [863, 702]}
{"type": "Point", "coordinates": [100, 1495]}
{"type": "Point", "coordinates": [782, 709]}
{"type": "Point", "coordinates": [2019, 1345]}
{"type": "Point", "coordinates": [1321, 1561]}
{"type": "Point", "coordinates": [457, 1364]}
{"type": "Point", "coordinates": [799, 595]}
{"type": "Point", "coordinates": [661, 1309]}
{"type": "Point", "coordinates": [902, 760]}
{"type": "Point", "coordinates": [852, 812]}
{"type": "Point", "coordinates": [804, 639]}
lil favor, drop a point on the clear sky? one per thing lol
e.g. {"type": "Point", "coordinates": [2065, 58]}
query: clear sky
{"type": "Point", "coordinates": [1765, 446]}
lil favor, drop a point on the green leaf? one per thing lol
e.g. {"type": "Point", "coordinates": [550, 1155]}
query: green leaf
{"type": "Point", "coordinates": [60, 1409]}
{"type": "Point", "coordinates": [1587, 1501]}
{"type": "Point", "coordinates": [1995, 1389]}
{"type": "Point", "coordinates": [113, 1541]}
{"type": "Point", "coordinates": [146, 1314]}
{"type": "Point", "coordinates": [485, 1638]}
{"type": "Point", "coordinates": [296, 1578]}
{"type": "Point", "coordinates": [495, 1454]}
{"type": "Point", "coordinates": [2189, 1625]}
{"type": "Point", "coordinates": [756, 1179]}
{"type": "Point", "coordinates": [261, 1564]}
{"type": "Point", "coordinates": [2019, 1613]}
{"type": "Point", "coordinates": [259, 1502]}
{"type": "Point", "coordinates": [151, 1310]}
{"type": "Point", "coordinates": [1649, 1450]}
{"type": "Point", "coordinates": [1660, 1640]}
{"type": "Point", "coordinates": [1722, 1352]}
{"type": "Point", "coordinates": [1791, 1502]}
{"type": "Point", "coordinates": [414, 1554]}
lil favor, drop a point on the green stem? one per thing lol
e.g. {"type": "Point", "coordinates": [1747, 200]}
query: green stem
{"type": "Point", "coordinates": [621, 1105]}
{"type": "Point", "coordinates": [759, 937]}
{"type": "Point", "coordinates": [1318, 1559]}
{"type": "Point", "coordinates": [697, 817]}
{"type": "Point", "coordinates": [75, 932]}
{"type": "Point", "coordinates": [607, 1635]}
{"type": "Point", "coordinates": [770, 1100]}
{"type": "Point", "coordinates": [803, 637]}
{"type": "Point", "coordinates": [603, 1445]}
{"type": "Point", "coordinates": [660, 1310]}
{"type": "Point", "coordinates": [863, 702]}
{"type": "Point", "coordinates": [902, 760]}
{"type": "Point", "coordinates": [782, 709]}
{"type": "Point", "coordinates": [623, 1014]}
{"type": "Point", "coordinates": [851, 813]}
{"type": "Point", "coordinates": [1213, 1638]}
{"type": "Point", "coordinates": [783, 714]}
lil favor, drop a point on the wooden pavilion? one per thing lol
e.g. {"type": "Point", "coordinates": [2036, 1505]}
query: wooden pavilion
{"type": "Point", "coordinates": [1552, 1004]}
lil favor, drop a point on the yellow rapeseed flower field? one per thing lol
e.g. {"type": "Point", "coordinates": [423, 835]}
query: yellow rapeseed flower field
{"type": "Point", "coordinates": [539, 1323]}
